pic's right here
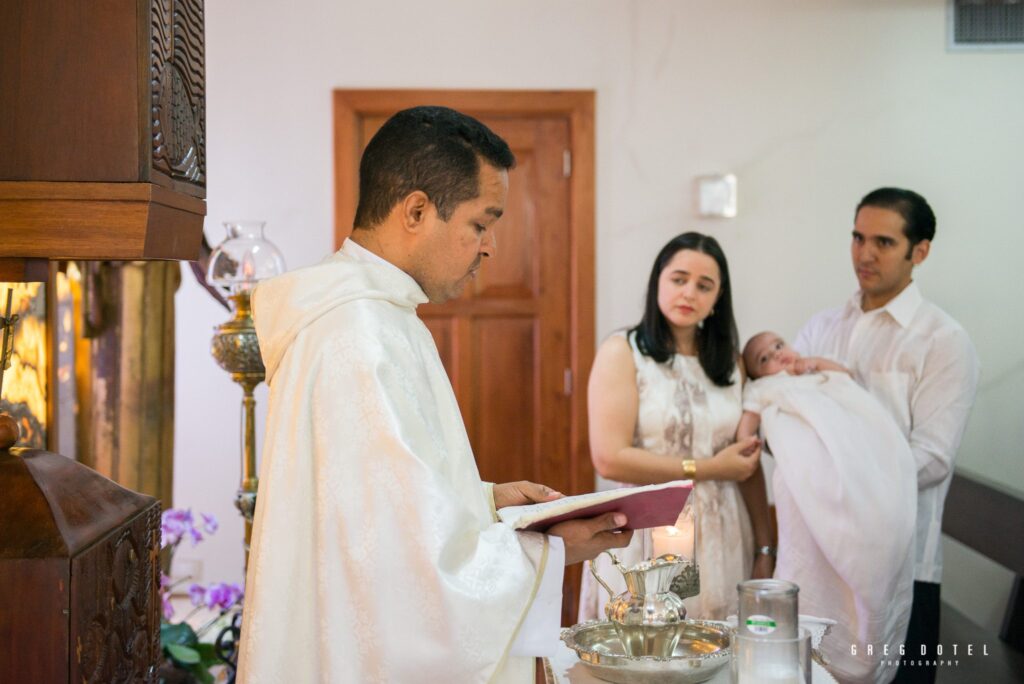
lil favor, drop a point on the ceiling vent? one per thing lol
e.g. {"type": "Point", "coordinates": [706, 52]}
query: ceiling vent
{"type": "Point", "coordinates": [986, 24]}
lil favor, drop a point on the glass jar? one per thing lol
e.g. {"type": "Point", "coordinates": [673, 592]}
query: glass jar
{"type": "Point", "coordinates": [780, 661]}
{"type": "Point", "coordinates": [768, 609]}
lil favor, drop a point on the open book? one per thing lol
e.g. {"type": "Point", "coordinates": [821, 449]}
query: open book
{"type": "Point", "coordinates": [650, 506]}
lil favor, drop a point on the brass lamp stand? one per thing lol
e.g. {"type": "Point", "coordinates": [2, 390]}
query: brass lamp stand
{"type": "Point", "coordinates": [237, 351]}
{"type": "Point", "coordinates": [236, 265]}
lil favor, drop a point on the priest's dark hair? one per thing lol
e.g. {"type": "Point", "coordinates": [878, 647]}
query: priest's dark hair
{"type": "Point", "coordinates": [432, 149]}
{"type": "Point", "coordinates": [918, 217]}
{"type": "Point", "coordinates": [717, 338]}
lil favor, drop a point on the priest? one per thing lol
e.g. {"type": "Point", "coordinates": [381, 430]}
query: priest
{"type": "Point", "coordinates": [376, 555]}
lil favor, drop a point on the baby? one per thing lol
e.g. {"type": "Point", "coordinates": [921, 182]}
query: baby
{"type": "Point", "coordinates": [845, 487]}
{"type": "Point", "coordinates": [767, 354]}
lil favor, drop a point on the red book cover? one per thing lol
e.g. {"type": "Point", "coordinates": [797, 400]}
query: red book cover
{"type": "Point", "coordinates": [651, 506]}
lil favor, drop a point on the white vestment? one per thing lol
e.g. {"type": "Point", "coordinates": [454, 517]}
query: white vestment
{"type": "Point", "coordinates": [846, 496]}
{"type": "Point", "coordinates": [376, 555]}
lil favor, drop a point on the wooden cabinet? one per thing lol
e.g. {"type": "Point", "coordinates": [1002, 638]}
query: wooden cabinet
{"type": "Point", "coordinates": [79, 574]}
{"type": "Point", "coordinates": [102, 157]}
{"type": "Point", "coordinates": [102, 129]}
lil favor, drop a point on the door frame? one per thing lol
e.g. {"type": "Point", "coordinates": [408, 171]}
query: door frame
{"type": "Point", "coordinates": [577, 106]}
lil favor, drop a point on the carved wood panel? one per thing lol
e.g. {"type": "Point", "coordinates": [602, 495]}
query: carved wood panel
{"type": "Point", "coordinates": [115, 621]}
{"type": "Point", "coordinates": [178, 82]}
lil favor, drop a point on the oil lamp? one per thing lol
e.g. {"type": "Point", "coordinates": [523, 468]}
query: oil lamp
{"type": "Point", "coordinates": [236, 265]}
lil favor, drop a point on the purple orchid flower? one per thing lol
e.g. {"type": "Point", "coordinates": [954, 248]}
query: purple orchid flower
{"type": "Point", "coordinates": [223, 595]}
{"type": "Point", "coordinates": [177, 523]}
{"type": "Point", "coordinates": [210, 524]}
{"type": "Point", "coordinates": [165, 596]}
{"type": "Point", "coordinates": [168, 609]}
{"type": "Point", "coordinates": [197, 594]}
{"type": "Point", "coordinates": [174, 524]}
{"type": "Point", "coordinates": [171, 530]}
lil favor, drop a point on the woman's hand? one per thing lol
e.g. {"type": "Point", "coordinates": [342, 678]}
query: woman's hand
{"type": "Point", "coordinates": [764, 567]}
{"type": "Point", "coordinates": [738, 461]}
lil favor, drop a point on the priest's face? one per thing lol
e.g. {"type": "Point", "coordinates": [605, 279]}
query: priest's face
{"type": "Point", "coordinates": [452, 251]}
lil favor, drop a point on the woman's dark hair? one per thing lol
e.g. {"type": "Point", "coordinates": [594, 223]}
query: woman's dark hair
{"type": "Point", "coordinates": [433, 149]}
{"type": "Point", "coordinates": [717, 339]}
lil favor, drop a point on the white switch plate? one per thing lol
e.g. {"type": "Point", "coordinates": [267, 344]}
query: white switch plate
{"type": "Point", "coordinates": [716, 195]}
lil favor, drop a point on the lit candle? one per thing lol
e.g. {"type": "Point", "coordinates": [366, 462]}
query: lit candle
{"type": "Point", "coordinates": [672, 540]}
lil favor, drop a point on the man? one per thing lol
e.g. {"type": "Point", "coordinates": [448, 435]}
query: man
{"type": "Point", "coordinates": [376, 555]}
{"type": "Point", "coordinates": [919, 363]}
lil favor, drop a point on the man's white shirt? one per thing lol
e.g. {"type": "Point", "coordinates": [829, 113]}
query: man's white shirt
{"type": "Point", "coordinates": [920, 364]}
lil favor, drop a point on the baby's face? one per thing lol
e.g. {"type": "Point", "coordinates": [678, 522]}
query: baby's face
{"type": "Point", "coordinates": [768, 354]}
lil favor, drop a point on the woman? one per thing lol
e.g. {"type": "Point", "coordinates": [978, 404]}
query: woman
{"type": "Point", "coordinates": [664, 404]}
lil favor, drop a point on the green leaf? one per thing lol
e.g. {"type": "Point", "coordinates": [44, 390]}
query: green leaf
{"type": "Point", "coordinates": [202, 674]}
{"type": "Point", "coordinates": [183, 654]}
{"type": "Point", "coordinates": [180, 633]}
{"type": "Point", "coordinates": [207, 654]}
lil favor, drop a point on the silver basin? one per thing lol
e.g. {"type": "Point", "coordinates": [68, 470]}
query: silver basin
{"type": "Point", "coordinates": [703, 649]}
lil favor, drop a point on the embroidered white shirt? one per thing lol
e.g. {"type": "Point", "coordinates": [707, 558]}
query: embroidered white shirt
{"type": "Point", "coordinates": [922, 367]}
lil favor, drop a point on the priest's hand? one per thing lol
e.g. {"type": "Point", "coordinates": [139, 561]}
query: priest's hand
{"type": "Point", "coordinates": [584, 538]}
{"type": "Point", "coordinates": [522, 493]}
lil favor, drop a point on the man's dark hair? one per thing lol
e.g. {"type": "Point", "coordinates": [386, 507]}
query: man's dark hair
{"type": "Point", "coordinates": [432, 149]}
{"type": "Point", "coordinates": [717, 339]}
{"type": "Point", "coordinates": [918, 217]}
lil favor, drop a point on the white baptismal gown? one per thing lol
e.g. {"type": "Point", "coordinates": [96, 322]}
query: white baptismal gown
{"type": "Point", "coordinates": [846, 501]}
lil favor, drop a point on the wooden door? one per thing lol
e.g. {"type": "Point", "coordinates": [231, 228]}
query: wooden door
{"type": "Point", "coordinates": [518, 343]}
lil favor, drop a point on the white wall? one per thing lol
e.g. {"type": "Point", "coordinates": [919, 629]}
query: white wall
{"type": "Point", "coordinates": [810, 102]}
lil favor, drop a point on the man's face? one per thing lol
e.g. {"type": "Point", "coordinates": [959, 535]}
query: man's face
{"type": "Point", "coordinates": [768, 354]}
{"type": "Point", "coordinates": [880, 254]}
{"type": "Point", "coordinates": [453, 250]}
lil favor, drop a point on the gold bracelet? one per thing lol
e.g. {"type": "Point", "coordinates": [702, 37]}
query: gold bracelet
{"type": "Point", "coordinates": [689, 469]}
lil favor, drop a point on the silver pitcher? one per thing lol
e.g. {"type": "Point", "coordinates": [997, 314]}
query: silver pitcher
{"type": "Point", "coordinates": [648, 616]}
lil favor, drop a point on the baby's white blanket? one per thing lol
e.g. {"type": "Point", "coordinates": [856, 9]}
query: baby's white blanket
{"type": "Point", "coordinates": [846, 501]}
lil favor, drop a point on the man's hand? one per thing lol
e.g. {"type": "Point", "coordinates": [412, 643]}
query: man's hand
{"type": "Point", "coordinates": [522, 493]}
{"type": "Point", "coordinates": [584, 538]}
{"type": "Point", "coordinates": [814, 364]}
